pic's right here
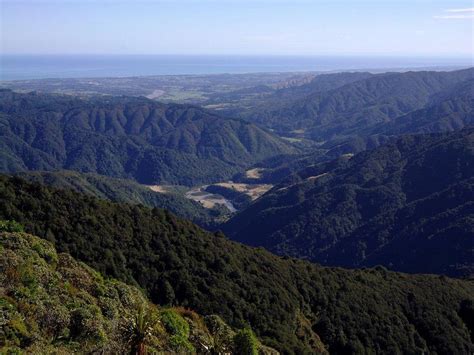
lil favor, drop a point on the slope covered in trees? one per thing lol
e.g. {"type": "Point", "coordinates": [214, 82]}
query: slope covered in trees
{"type": "Point", "coordinates": [407, 205]}
{"type": "Point", "coordinates": [449, 110]}
{"type": "Point", "coordinates": [250, 101]}
{"type": "Point", "coordinates": [292, 305]}
{"type": "Point", "coordinates": [121, 190]}
{"type": "Point", "coordinates": [127, 137]}
{"type": "Point", "coordinates": [362, 106]}
{"type": "Point", "coordinates": [51, 303]}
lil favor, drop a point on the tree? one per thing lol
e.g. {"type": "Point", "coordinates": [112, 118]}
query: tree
{"type": "Point", "coordinates": [10, 226]}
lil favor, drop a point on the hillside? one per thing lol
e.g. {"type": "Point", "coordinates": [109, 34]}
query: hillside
{"type": "Point", "coordinates": [121, 190]}
{"type": "Point", "coordinates": [448, 111]}
{"type": "Point", "coordinates": [51, 303]}
{"type": "Point", "coordinates": [321, 83]}
{"type": "Point", "coordinates": [359, 107]}
{"type": "Point", "coordinates": [249, 102]}
{"type": "Point", "coordinates": [128, 138]}
{"type": "Point", "coordinates": [291, 304]}
{"type": "Point", "coordinates": [407, 205]}
{"type": "Point", "coordinates": [274, 170]}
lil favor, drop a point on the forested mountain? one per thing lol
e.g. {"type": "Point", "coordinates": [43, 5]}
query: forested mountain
{"type": "Point", "coordinates": [121, 190]}
{"type": "Point", "coordinates": [51, 303]}
{"type": "Point", "coordinates": [448, 111]}
{"type": "Point", "coordinates": [260, 98]}
{"type": "Point", "coordinates": [321, 83]}
{"type": "Point", "coordinates": [292, 304]}
{"type": "Point", "coordinates": [275, 169]}
{"type": "Point", "coordinates": [127, 137]}
{"type": "Point", "coordinates": [359, 107]}
{"type": "Point", "coordinates": [407, 205]}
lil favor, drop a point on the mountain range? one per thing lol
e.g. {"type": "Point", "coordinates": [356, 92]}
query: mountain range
{"type": "Point", "coordinates": [407, 205]}
{"type": "Point", "coordinates": [353, 235]}
{"type": "Point", "coordinates": [360, 105]}
{"type": "Point", "coordinates": [129, 138]}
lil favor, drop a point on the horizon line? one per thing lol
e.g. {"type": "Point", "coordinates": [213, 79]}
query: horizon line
{"type": "Point", "coordinates": [390, 55]}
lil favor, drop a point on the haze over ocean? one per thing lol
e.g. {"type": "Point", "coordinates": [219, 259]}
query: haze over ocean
{"type": "Point", "coordinates": [21, 67]}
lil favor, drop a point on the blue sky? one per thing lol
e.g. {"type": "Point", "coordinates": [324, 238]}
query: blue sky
{"type": "Point", "coordinates": [247, 27]}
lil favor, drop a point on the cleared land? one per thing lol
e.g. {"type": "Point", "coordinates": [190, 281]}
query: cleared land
{"type": "Point", "coordinates": [255, 173]}
{"type": "Point", "coordinates": [160, 188]}
{"type": "Point", "coordinates": [209, 200]}
{"type": "Point", "coordinates": [252, 190]}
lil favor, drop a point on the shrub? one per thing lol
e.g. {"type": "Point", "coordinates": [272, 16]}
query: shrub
{"type": "Point", "coordinates": [245, 342]}
{"type": "Point", "coordinates": [177, 326]}
{"type": "Point", "coordinates": [54, 320]}
{"type": "Point", "coordinates": [86, 322]}
{"type": "Point", "coordinates": [140, 329]}
{"type": "Point", "coordinates": [222, 334]}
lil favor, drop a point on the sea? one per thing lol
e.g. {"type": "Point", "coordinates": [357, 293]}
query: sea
{"type": "Point", "coordinates": [23, 67]}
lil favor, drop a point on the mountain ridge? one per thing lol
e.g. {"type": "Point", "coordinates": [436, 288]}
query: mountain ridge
{"type": "Point", "coordinates": [126, 191]}
{"type": "Point", "coordinates": [343, 211]}
{"type": "Point", "coordinates": [357, 106]}
{"type": "Point", "coordinates": [129, 138]}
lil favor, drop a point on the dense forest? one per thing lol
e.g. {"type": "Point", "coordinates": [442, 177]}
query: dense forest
{"type": "Point", "coordinates": [249, 101]}
{"type": "Point", "coordinates": [351, 189]}
{"type": "Point", "coordinates": [129, 138]}
{"type": "Point", "coordinates": [407, 205]}
{"type": "Point", "coordinates": [256, 177]}
{"type": "Point", "coordinates": [121, 190]}
{"type": "Point", "coordinates": [275, 169]}
{"type": "Point", "coordinates": [51, 303]}
{"type": "Point", "coordinates": [291, 304]}
{"type": "Point", "coordinates": [363, 107]}
{"type": "Point", "coordinates": [154, 143]}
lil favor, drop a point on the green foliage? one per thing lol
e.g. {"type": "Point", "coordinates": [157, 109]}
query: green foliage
{"type": "Point", "coordinates": [10, 226]}
{"type": "Point", "coordinates": [292, 305]}
{"type": "Point", "coordinates": [129, 138]}
{"type": "Point", "coordinates": [174, 323]}
{"type": "Point", "coordinates": [222, 340]}
{"type": "Point", "coordinates": [390, 103]}
{"type": "Point", "coordinates": [245, 342]}
{"type": "Point", "coordinates": [75, 310]}
{"type": "Point", "coordinates": [140, 329]}
{"type": "Point", "coordinates": [406, 205]}
{"type": "Point", "coordinates": [177, 326]}
{"type": "Point", "coordinates": [128, 191]}
{"type": "Point", "coordinates": [45, 303]}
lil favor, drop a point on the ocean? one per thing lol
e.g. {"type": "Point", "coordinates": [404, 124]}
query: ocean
{"type": "Point", "coordinates": [22, 67]}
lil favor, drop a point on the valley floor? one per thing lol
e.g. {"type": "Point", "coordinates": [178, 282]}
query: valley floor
{"type": "Point", "coordinates": [211, 200]}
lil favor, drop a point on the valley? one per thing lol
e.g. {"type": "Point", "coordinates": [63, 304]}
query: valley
{"type": "Point", "coordinates": [209, 200]}
{"type": "Point", "coordinates": [309, 212]}
{"type": "Point", "coordinates": [262, 177]}
{"type": "Point", "coordinates": [178, 263]}
{"type": "Point", "coordinates": [203, 195]}
{"type": "Point", "coordinates": [184, 89]}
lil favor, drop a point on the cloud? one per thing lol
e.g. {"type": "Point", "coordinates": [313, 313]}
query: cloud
{"type": "Point", "coordinates": [457, 14]}
{"type": "Point", "coordinates": [469, 9]}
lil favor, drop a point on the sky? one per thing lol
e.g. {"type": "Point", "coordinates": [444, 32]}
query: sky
{"type": "Point", "coordinates": [242, 27]}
